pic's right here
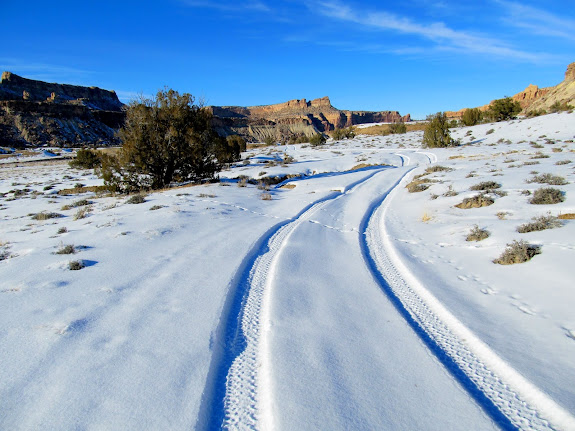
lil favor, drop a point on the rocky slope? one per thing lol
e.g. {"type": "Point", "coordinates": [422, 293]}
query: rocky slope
{"type": "Point", "coordinates": [36, 113]}
{"type": "Point", "coordinates": [295, 117]}
{"type": "Point", "coordinates": [534, 98]}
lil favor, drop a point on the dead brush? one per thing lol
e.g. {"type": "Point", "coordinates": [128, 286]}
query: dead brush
{"type": "Point", "coordinates": [486, 186]}
{"type": "Point", "coordinates": [552, 180]}
{"type": "Point", "coordinates": [547, 196]}
{"type": "Point", "coordinates": [83, 212]}
{"type": "Point", "coordinates": [477, 234]}
{"type": "Point", "coordinates": [542, 222]}
{"type": "Point", "coordinates": [518, 252]}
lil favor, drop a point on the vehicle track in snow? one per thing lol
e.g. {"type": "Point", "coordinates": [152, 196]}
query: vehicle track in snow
{"type": "Point", "coordinates": [511, 400]}
{"type": "Point", "coordinates": [237, 393]}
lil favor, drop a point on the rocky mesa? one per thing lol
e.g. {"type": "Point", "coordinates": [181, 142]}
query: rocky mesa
{"type": "Point", "coordinates": [294, 117]}
{"type": "Point", "coordinates": [37, 113]}
{"type": "Point", "coordinates": [534, 98]}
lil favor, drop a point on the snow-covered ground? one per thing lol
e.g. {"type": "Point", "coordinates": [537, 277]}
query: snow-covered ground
{"type": "Point", "coordinates": [343, 302]}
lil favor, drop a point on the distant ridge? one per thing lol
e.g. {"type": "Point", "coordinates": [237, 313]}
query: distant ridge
{"type": "Point", "coordinates": [534, 98]}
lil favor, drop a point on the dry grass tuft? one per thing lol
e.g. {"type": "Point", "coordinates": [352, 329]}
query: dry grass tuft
{"type": "Point", "coordinates": [568, 216]}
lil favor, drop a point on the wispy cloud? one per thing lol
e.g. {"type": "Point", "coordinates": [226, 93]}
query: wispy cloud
{"type": "Point", "coordinates": [538, 21]}
{"type": "Point", "coordinates": [237, 6]}
{"type": "Point", "coordinates": [444, 37]}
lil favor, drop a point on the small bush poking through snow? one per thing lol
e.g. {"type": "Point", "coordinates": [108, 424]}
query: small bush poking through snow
{"type": "Point", "coordinates": [82, 212]}
{"type": "Point", "coordinates": [553, 180]}
{"type": "Point", "coordinates": [136, 199]}
{"type": "Point", "coordinates": [76, 265]}
{"type": "Point", "coordinates": [438, 168]}
{"type": "Point", "coordinates": [477, 234]}
{"type": "Point", "coordinates": [540, 223]}
{"type": "Point", "coordinates": [62, 230]}
{"type": "Point", "coordinates": [45, 216]}
{"type": "Point", "coordinates": [486, 186]}
{"type": "Point", "coordinates": [266, 197]}
{"type": "Point", "coordinates": [547, 196]}
{"type": "Point", "coordinates": [417, 186]}
{"type": "Point", "coordinates": [563, 162]}
{"type": "Point", "coordinates": [156, 207]}
{"type": "Point", "coordinates": [476, 201]}
{"type": "Point", "coordinates": [66, 249]}
{"type": "Point", "coordinates": [517, 252]}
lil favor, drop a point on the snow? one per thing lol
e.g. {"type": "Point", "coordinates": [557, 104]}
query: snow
{"type": "Point", "coordinates": [344, 302]}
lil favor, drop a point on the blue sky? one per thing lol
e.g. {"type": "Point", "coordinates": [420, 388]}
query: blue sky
{"type": "Point", "coordinates": [416, 56]}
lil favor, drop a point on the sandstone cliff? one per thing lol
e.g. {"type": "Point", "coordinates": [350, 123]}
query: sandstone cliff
{"type": "Point", "coordinates": [39, 113]}
{"type": "Point", "coordinates": [534, 98]}
{"type": "Point", "coordinates": [297, 116]}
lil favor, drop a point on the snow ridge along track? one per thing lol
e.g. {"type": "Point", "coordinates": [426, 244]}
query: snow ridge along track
{"type": "Point", "coordinates": [511, 400]}
{"type": "Point", "coordinates": [238, 393]}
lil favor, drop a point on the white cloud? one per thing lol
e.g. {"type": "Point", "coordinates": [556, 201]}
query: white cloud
{"type": "Point", "coordinates": [446, 39]}
{"type": "Point", "coordinates": [538, 21]}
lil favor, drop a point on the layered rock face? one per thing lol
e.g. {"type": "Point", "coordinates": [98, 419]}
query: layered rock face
{"type": "Point", "coordinates": [534, 98]}
{"type": "Point", "coordinates": [297, 116]}
{"type": "Point", "coordinates": [35, 113]}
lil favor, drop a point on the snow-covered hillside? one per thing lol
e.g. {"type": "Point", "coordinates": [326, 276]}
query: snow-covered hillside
{"type": "Point", "coordinates": [336, 299]}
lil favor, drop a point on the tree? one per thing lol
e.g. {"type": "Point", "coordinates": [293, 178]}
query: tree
{"type": "Point", "coordinates": [86, 159]}
{"type": "Point", "coordinates": [345, 133]}
{"type": "Point", "coordinates": [504, 109]}
{"type": "Point", "coordinates": [317, 140]}
{"type": "Point", "coordinates": [471, 116]}
{"type": "Point", "coordinates": [167, 138]}
{"type": "Point", "coordinates": [436, 134]}
{"type": "Point", "coordinates": [397, 128]}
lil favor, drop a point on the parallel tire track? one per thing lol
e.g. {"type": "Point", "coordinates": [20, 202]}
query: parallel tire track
{"type": "Point", "coordinates": [511, 400]}
{"type": "Point", "coordinates": [238, 393]}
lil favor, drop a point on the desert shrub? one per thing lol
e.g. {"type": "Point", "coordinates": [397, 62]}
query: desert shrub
{"type": "Point", "coordinates": [416, 186]}
{"type": "Point", "coordinates": [237, 140]}
{"type": "Point", "coordinates": [502, 215]}
{"type": "Point", "coordinates": [487, 186]}
{"type": "Point", "coordinates": [547, 196]}
{"type": "Point", "coordinates": [80, 203]}
{"type": "Point", "coordinates": [317, 140]}
{"type": "Point", "coordinates": [517, 252]}
{"type": "Point", "coordinates": [269, 140]}
{"type": "Point", "coordinates": [437, 168]}
{"type": "Point", "coordinates": [476, 201]}
{"type": "Point", "coordinates": [535, 113]}
{"type": "Point", "coordinates": [450, 192]}
{"type": "Point", "coordinates": [397, 128]}
{"type": "Point", "coordinates": [167, 138]}
{"type": "Point", "coordinates": [344, 133]}
{"type": "Point", "coordinates": [471, 117]}
{"type": "Point", "coordinates": [156, 207]}
{"type": "Point", "coordinates": [540, 223]}
{"type": "Point", "coordinates": [266, 197]}
{"type": "Point", "coordinates": [242, 181]}
{"type": "Point", "coordinates": [436, 134]}
{"type": "Point", "coordinates": [86, 159]}
{"type": "Point", "coordinates": [490, 131]}
{"type": "Point", "coordinates": [45, 215]}
{"type": "Point", "coordinates": [66, 249]}
{"type": "Point", "coordinates": [563, 162]}
{"type": "Point", "coordinates": [82, 212]}
{"type": "Point", "coordinates": [477, 234]}
{"type": "Point", "coordinates": [504, 109]}
{"type": "Point", "coordinates": [553, 180]}
{"type": "Point", "coordinates": [136, 199]}
{"type": "Point", "coordinates": [560, 106]}
{"type": "Point", "coordinates": [206, 195]}
{"type": "Point", "coordinates": [76, 265]}
{"type": "Point", "coordinates": [539, 155]}
{"type": "Point", "coordinates": [62, 230]}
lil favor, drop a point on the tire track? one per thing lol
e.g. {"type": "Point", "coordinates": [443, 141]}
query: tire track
{"type": "Point", "coordinates": [237, 393]}
{"type": "Point", "coordinates": [511, 400]}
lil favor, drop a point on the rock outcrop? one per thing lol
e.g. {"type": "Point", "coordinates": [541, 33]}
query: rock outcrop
{"type": "Point", "coordinates": [299, 117]}
{"type": "Point", "coordinates": [36, 113]}
{"type": "Point", "coordinates": [534, 98]}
